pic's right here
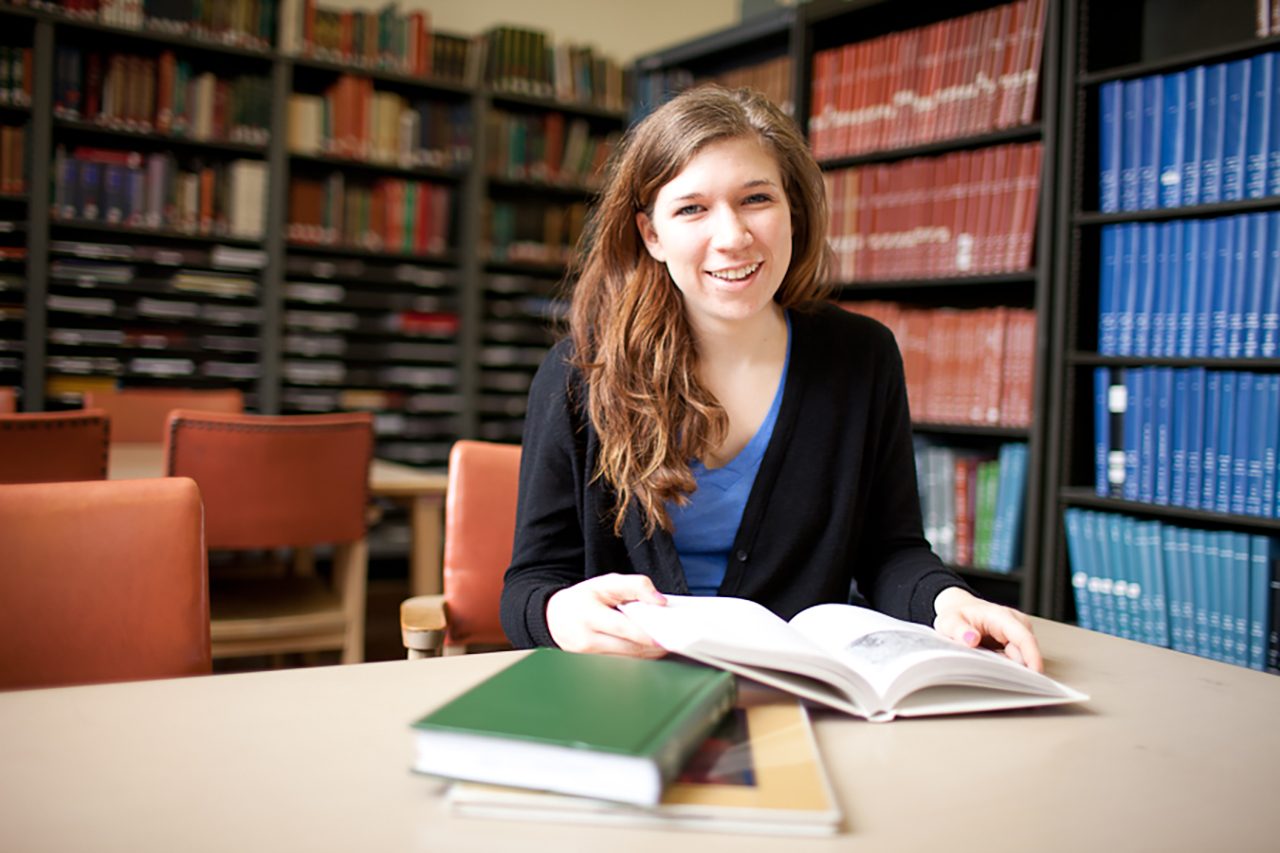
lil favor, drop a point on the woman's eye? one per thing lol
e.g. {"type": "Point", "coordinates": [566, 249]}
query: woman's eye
{"type": "Point", "coordinates": [688, 210]}
{"type": "Point", "coordinates": [759, 198]}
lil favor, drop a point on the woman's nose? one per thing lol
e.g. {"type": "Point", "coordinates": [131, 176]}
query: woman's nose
{"type": "Point", "coordinates": [731, 231]}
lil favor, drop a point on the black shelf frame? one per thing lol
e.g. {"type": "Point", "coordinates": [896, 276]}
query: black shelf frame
{"type": "Point", "coordinates": [1025, 133]}
{"type": "Point", "coordinates": [1083, 497]}
{"type": "Point", "coordinates": [165, 140]}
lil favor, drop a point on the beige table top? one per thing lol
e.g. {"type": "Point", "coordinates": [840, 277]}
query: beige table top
{"type": "Point", "coordinates": [388, 479]}
{"type": "Point", "coordinates": [1172, 753]}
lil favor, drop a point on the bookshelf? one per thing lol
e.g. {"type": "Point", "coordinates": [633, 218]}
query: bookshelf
{"type": "Point", "coordinates": [15, 122]}
{"type": "Point", "coordinates": [1001, 278]}
{"type": "Point", "coordinates": [910, 108]}
{"type": "Point", "coordinates": [1162, 403]}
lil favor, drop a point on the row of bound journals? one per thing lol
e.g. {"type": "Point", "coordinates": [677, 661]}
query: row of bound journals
{"type": "Point", "coordinates": [1202, 439]}
{"type": "Point", "coordinates": [972, 504]}
{"type": "Point", "coordinates": [1191, 288]}
{"type": "Point", "coordinates": [1200, 136]}
{"type": "Point", "coordinates": [1211, 593]}
{"type": "Point", "coordinates": [619, 730]}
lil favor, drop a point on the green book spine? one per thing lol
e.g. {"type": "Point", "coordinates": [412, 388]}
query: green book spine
{"type": "Point", "coordinates": [985, 511]}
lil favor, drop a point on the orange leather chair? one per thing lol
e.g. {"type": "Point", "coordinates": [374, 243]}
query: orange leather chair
{"type": "Point", "coordinates": [138, 415]}
{"type": "Point", "coordinates": [102, 581]}
{"type": "Point", "coordinates": [292, 481]}
{"type": "Point", "coordinates": [53, 447]}
{"type": "Point", "coordinates": [479, 529]}
{"type": "Point", "coordinates": [8, 400]}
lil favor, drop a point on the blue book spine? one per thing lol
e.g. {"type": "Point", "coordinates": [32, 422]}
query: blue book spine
{"type": "Point", "coordinates": [1164, 432]}
{"type": "Point", "coordinates": [1240, 602]}
{"type": "Point", "coordinates": [1121, 568]}
{"type": "Point", "coordinates": [1139, 580]}
{"type": "Point", "coordinates": [1270, 345]}
{"type": "Point", "coordinates": [1172, 233]}
{"type": "Point", "coordinates": [1107, 278]}
{"type": "Point", "coordinates": [1000, 517]}
{"type": "Point", "coordinates": [1159, 592]}
{"type": "Point", "coordinates": [1093, 528]}
{"type": "Point", "coordinates": [1172, 584]}
{"type": "Point", "coordinates": [1212, 420]}
{"type": "Point", "coordinates": [1145, 282]}
{"type": "Point", "coordinates": [1270, 423]}
{"type": "Point", "coordinates": [1226, 443]}
{"type": "Point", "coordinates": [1259, 600]}
{"type": "Point", "coordinates": [1255, 285]}
{"type": "Point", "coordinates": [1118, 409]}
{"type": "Point", "coordinates": [1126, 286]}
{"type": "Point", "coordinates": [1101, 430]}
{"type": "Point", "coordinates": [1257, 443]}
{"type": "Point", "coordinates": [1132, 431]}
{"type": "Point", "coordinates": [1200, 589]}
{"type": "Point", "coordinates": [1258, 125]}
{"type": "Point", "coordinates": [1149, 145]}
{"type": "Point", "coordinates": [1237, 298]}
{"type": "Point", "coordinates": [1189, 283]}
{"type": "Point", "coordinates": [1215, 95]}
{"type": "Point", "coordinates": [1147, 460]}
{"type": "Point", "coordinates": [1079, 561]}
{"type": "Point", "coordinates": [1213, 554]}
{"type": "Point", "coordinates": [1226, 584]}
{"type": "Point", "coordinates": [1234, 120]}
{"type": "Point", "coordinates": [1208, 285]}
{"type": "Point", "coordinates": [1273, 134]}
{"type": "Point", "coordinates": [1173, 133]}
{"type": "Point", "coordinates": [1179, 405]}
{"type": "Point", "coordinates": [1131, 144]}
{"type": "Point", "coordinates": [1242, 444]}
{"type": "Point", "coordinates": [1186, 574]}
{"type": "Point", "coordinates": [1222, 286]}
{"type": "Point", "coordinates": [1161, 292]}
{"type": "Point", "coordinates": [1193, 140]}
{"type": "Point", "coordinates": [1196, 377]}
{"type": "Point", "coordinates": [1109, 109]}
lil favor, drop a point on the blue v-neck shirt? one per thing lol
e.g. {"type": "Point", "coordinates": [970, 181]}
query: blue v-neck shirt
{"type": "Point", "coordinates": [705, 528]}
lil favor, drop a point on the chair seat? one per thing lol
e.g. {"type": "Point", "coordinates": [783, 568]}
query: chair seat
{"type": "Point", "coordinates": [272, 608]}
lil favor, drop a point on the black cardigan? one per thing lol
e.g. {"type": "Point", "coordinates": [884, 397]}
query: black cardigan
{"type": "Point", "coordinates": [834, 511]}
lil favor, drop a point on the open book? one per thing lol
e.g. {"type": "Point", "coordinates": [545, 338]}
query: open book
{"type": "Point", "coordinates": [851, 658]}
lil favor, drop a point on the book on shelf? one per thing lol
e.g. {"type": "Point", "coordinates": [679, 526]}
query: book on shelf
{"type": "Point", "coordinates": [384, 39]}
{"type": "Point", "coordinates": [1204, 592]}
{"type": "Point", "coordinates": [760, 772]}
{"type": "Point", "coordinates": [771, 77]}
{"type": "Point", "coordinates": [954, 78]}
{"type": "Point", "coordinates": [613, 728]}
{"type": "Point", "coordinates": [856, 660]}
{"type": "Point", "coordinates": [525, 61]}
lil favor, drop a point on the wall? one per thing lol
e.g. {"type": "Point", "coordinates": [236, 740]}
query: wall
{"type": "Point", "coordinates": [621, 29]}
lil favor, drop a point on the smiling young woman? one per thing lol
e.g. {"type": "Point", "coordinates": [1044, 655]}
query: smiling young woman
{"type": "Point", "coordinates": [712, 425]}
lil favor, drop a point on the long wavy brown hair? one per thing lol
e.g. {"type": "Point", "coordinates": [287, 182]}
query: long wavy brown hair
{"type": "Point", "coordinates": [632, 341]}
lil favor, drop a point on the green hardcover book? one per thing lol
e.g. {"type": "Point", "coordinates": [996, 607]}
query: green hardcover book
{"type": "Point", "coordinates": [598, 726]}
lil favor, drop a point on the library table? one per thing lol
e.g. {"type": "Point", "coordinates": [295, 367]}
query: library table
{"type": "Point", "coordinates": [1171, 753]}
{"type": "Point", "coordinates": [422, 492]}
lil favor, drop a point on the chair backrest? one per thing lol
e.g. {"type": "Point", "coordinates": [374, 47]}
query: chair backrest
{"type": "Point", "coordinates": [480, 525]}
{"type": "Point", "coordinates": [8, 399]}
{"type": "Point", "coordinates": [139, 415]}
{"type": "Point", "coordinates": [53, 447]}
{"type": "Point", "coordinates": [275, 481]}
{"type": "Point", "coordinates": [102, 581]}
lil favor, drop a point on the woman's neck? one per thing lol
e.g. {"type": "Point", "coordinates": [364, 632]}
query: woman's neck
{"type": "Point", "coordinates": [760, 340]}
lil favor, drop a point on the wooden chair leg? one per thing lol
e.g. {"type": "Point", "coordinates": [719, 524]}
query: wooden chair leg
{"type": "Point", "coordinates": [350, 575]}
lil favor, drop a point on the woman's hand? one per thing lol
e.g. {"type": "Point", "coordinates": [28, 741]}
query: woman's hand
{"type": "Point", "coordinates": [585, 618]}
{"type": "Point", "coordinates": [971, 621]}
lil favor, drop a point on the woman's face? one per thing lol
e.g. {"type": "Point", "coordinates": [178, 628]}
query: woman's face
{"type": "Point", "coordinates": [723, 228]}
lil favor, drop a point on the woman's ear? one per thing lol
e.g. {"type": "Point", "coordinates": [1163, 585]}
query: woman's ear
{"type": "Point", "coordinates": [650, 237]}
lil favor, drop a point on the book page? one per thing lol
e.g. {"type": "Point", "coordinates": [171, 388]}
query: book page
{"type": "Point", "coordinates": [898, 657]}
{"type": "Point", "coordinates": [734, 629]}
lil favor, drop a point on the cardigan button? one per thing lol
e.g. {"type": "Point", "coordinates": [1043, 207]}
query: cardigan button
{"type": "Point", "coordinates": [742, 556]}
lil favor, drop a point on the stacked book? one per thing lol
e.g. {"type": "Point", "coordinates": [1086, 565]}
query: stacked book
{"type": "Point", "coordinates": [545, 147]}
{"type": "Point", "coordinates": [1211, 593]}
{"type": "Point", "coordinates": [963, 366]}
{"type": "Point", "coordinates": [384, 39]}
{"type": "Point", "coordinates": [244, 23]}
{"type": "Point", "coordinates": [523, 61]}
{"type": "Point", "coordinates": [965, 213]}
{"type": "Point", "coordinates": [972, 504]}
{"type": "Point", "coordinates": [15, 76]}
{"type": "Point", "coordinates": [959, 77]}
{"type": "Point", "coordinates": [532, 231]}
{"type": "Point", "coordinates": [386, 214]}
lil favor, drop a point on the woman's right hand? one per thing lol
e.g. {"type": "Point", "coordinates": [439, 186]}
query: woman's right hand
{"type": "Point", "coordinates": [584, 617]}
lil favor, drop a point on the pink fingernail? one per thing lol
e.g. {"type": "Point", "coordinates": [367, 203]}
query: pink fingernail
{"type": "Point", "coordinates": [971, 636]}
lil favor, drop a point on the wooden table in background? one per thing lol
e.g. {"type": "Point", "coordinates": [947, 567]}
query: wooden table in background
{"type": "Point", "coordinates": [421, 492]}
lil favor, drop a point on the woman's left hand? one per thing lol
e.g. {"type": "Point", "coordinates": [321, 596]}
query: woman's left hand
{"type": "Point", "coordinates": [969, 620]}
